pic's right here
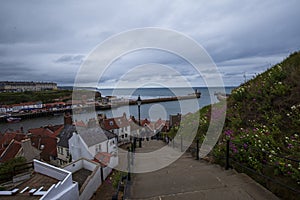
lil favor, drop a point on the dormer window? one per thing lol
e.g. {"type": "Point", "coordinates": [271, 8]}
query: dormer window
{"type": "Point", "coordinates": [111, 123]}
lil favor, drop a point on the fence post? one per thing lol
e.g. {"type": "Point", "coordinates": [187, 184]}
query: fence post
{"type": "Point", "coordinates": [181, 147]}
{"type": "Point", "coordinates": [140, 142]}
{"type": "Point", "coordinates": [128, 161]}
{"type": "Point", "coordinates": [102, 176]}
{"type": "Point", "coordinates": [227, 165]}
{"type": "Point", "coordinates": [197, 150]}
{"type": "Point", "coordinates": [134, 144]}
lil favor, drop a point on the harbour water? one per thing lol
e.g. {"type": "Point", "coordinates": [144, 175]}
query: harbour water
{"type": "Point", "coordinates": [151, 111]}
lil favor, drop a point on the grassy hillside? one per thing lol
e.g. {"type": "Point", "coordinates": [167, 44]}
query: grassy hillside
{"type": "Point", "coordinates": [8, 98]}
{"type": "Point", "coordinates": [263, 125]}
{"type": "Point", "coordinates": [269, 105]}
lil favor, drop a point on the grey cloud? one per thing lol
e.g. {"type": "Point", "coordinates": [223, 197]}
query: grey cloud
{"type": "Point", "coordinates": [74, 59]}
{"type": "Point", "coordinates": [38, 39]}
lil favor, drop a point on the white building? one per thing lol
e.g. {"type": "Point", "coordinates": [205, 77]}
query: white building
{"type": "Point", "coordinates": [47, 182]}
{"type": "Point", "coordinates": [88, 142]}
{"type": "Point", "coordinates": [89, 176]}
{"type": "Point", "coordinates": [119, 126]}
{"type": "Point", "coordinates": [77, 181]}
{"type": "Point", "coordinates": [63, 153]}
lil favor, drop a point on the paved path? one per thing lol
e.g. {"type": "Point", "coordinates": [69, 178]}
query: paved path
{"type": "Point", "coordinates": [189, 179]}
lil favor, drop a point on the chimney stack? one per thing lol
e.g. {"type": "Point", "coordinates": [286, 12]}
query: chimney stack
{"type": "Point", "coordinates": [68, 119]}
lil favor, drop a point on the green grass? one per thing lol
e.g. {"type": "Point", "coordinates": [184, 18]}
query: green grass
{"type": "Point", "coordinates": [8, 98]}
{"type": "Point", "coordinates": [264, 114]}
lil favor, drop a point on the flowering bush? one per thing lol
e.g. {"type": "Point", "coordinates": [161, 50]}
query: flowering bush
{"type": "Point", "coordinates": [263, 122]}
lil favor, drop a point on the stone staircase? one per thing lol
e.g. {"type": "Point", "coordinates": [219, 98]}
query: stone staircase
{"type": "Point", "coordinates": [188, 178]}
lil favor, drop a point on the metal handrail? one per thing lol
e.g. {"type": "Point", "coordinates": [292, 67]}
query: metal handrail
{"type": "Point", "coordinates": [267, 177]}
{"type": "Point", "coordinates": [229, 158]}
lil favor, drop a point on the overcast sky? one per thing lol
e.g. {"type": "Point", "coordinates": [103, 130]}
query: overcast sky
{"type": "Point", "coordinates": [49, 40]}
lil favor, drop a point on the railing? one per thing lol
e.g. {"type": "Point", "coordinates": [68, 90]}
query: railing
{"type": "Point", "coordinates": [260, 176]}
{"type": "Point", "coordinates": [125, 181]}
{"type": "Point", "coordinates": [17, 169]}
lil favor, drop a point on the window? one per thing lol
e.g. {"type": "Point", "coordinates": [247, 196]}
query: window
{"type": "Point", "coordinates": [111, 123]}
{"type": "Point", "coordinates": [60, 150]}
{"type": "Point", "coordinates": [98, 148]}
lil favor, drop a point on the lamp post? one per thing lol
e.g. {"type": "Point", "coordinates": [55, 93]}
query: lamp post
{"type": "Point", "coordinates": [139, 102]}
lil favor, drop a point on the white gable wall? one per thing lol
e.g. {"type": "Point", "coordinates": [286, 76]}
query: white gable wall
{"type": "Point", "coordinates": [95, 148]}
{"type": "Point", "coordinates": [78, 149]}
{"type": "Point", "coordinates": [94, 180]}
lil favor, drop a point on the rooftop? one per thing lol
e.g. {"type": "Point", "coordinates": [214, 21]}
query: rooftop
{"type": "Point", "coordinates": [65, 135]}
{"type": "Point", "coordinates": [11, 151]}
{"type": "Point", "coordinates": [92, 136]}
{"type": "Point", "coordinates": [81, 176]}
{"type": "Point", "coordinates": [36, 181]}
{"type": "Point", "coordinates": [115, 123]}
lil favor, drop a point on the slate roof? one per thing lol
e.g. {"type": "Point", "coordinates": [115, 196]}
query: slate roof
{"type": "Point", "coordinates": [109, 134]}
{"type": "Point", "coordinates": [65, 135]}
{"type": "Point", "coordinates": [29, 151]}
{"type": "Point", "coordinates": [93, 136]}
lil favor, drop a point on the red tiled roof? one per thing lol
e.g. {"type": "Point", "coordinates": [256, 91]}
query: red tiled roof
{"type": "Point", "coordinates": [115, 123]}
{"type": "Point", "coordinates": [56, 129]}
{"type": "Point", "coordinates": [47, 130]}
{"type": "Point", "coordinates": [25, 104]}
{"type": "Point", "coordinates": [45, 140]}
{"type": "Point", "coordinates": [6, 138]}
{"type": "Point", "coordinates": [103, 158]}
{"type": "Point", "coordinates": [55, 104]}
{"type": "Point", "coordinates": [158, 125]}
{"type": "Point", "coordinates": [145, 121]}
{"type": "Point", "coordinates": [11, 151]}
{"type": "Point", "coordinates": [46, 144]}
{"type": "Point", "coordinates": [80, 123]}
{"type": "Point", "coordinates": [132, 119]}
{"type": "Point", "coordinates": [1, 150]}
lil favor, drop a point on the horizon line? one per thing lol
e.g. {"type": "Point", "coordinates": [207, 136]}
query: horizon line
{"type": "Point", "coordinates": [153, 87]}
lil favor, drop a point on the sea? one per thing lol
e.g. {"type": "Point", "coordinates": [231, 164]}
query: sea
{"type": "Point", "coordinates": [152, 112]}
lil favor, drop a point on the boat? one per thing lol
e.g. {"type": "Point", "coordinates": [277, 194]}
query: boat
{"type": "Point", "coordinates": [13, 119]}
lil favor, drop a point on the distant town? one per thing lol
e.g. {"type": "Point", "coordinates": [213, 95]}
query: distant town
{"type": "Point", "coordinates": [13, 86]}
